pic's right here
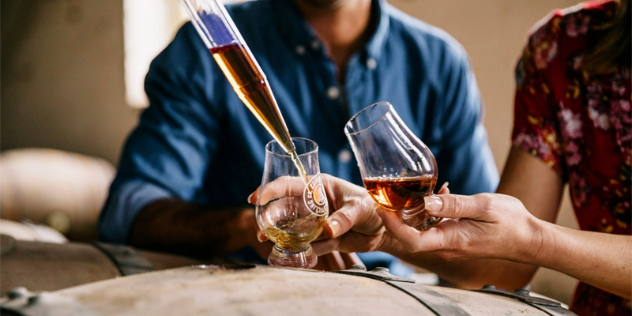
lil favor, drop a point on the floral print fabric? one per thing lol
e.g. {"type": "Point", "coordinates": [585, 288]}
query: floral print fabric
{"type": "Point", "coordinates": [579, 125]}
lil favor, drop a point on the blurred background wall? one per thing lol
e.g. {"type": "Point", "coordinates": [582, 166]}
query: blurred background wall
{"type": "Point", "coordinates": [63, 74]}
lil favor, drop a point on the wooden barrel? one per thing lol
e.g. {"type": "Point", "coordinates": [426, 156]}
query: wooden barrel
{"type": "Point", "coordinates": [261, 290]}
{"type": "Point", "coordinates": [62, 189]}
{"type": "Point", "coordinates": [42, 266]}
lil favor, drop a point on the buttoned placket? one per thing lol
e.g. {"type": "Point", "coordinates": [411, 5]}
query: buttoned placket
{"type": "Point", "coordinates": [359, 82]}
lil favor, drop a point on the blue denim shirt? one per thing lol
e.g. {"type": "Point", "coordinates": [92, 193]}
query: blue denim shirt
{"type": "Point", "coordinates": [198, 142]}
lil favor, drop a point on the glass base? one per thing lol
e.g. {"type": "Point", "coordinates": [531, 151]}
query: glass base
{"type": "Point", "coordinates": [419, 219]}
{"type": "Point", "coordinates": [305, 259]}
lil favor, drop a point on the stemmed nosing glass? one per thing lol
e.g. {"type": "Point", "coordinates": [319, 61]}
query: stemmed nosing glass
{"type": "Point", "coordinates": [397, 168]}
{"type": "Point", "coordinates": [291, 210]}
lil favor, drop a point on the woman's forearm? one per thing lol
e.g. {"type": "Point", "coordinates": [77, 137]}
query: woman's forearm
{"type": "Point", "coordinates": [475, 273]}
{"type": "Point", "coordinates": [602, 260]}
{"type": "Point", "coordinates": [599, 259]}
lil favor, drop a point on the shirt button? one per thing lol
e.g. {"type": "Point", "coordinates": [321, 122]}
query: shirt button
{"type": "Point", "coordinates": [333, 93]}
{"type": "Point", "coordinates": [371, 63]}
{"type": "Point", "coordinates": [300, 49]}
{"type": "Point", "coordinates": [344, 156]}
{"type": "Point", "coordinates": [315, 43]}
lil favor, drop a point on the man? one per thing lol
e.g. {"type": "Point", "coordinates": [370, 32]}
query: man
{"type": "Point", "coordinates": [197, 153]}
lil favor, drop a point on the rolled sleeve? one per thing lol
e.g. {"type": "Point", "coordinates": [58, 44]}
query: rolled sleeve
{"type": "Point", "coordinates": [167, 154]}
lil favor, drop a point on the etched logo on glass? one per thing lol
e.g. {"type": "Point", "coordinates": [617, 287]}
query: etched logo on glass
{"type": "Point", "coordinates": [314, 196]}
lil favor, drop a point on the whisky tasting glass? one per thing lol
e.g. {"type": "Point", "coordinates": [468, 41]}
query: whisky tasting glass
{"type": "Point", "coordinates": [397, 168]}
{"type": "Point", "coordinates": [290, 211]}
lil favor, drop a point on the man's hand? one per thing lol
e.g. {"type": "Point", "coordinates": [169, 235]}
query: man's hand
{"type": "Point", "coordinates": [353, 225]}
{"type": "Point", "coordinates": [339, 193]}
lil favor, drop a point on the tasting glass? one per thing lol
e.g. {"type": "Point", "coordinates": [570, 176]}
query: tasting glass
{"type": "Point", "coordinates": [397, 168]}
{"type": "Point", "coordinates": [289, 211]}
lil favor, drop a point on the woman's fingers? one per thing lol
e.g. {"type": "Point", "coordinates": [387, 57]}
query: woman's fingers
{"type": "Point", "coordinates": [417, 241]}
{"type": "Point", "coordinates": [474, 207]}
{"type": "Point", "coordinates": [444, 189]}
{"type": "Point", "coordinates": [406, 235]}
{"type": "Point", "coordinates": [474, 226]}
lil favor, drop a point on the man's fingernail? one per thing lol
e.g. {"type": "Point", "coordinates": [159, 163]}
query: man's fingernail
{"type": "Point", "coordinates": [261, 237]}
{"type": "Point", "coordinates": [249, 197]}
{"type": "Point", "coordinates": [433, 203]}
{"type": "Point", "coordinates": [445, 185]}
{"type": "Point", "coordinates": [335, 227]}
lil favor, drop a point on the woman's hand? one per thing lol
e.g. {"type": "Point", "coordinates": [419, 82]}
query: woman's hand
{"type": "Point", "coordinates": [479, 226]}
{"type": "Point", "coordinates": [497, 226]}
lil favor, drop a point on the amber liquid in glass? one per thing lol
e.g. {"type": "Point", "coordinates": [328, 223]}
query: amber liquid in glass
{"type": "Point", "coordinates": [400, 193]}
{"type": "Point", "coordinates": [407, 195]}
{"type": "Point", "coordinates": [296, 235]}
{"type": "Point", "coordinates": [251, 86]}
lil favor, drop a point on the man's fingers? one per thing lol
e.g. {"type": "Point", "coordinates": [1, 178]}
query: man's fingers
{"type": "Point", "coordinates": [359, 216]}
{"type": "Point", "coordinates": [347, 243]}
{"type": "Point", "coordinates": [264, 249]}
{"type": "Point", "coordinates": [341, 221]}
{"type": "Point", "coordinates": [331, 261]}
{"type": "Point", "coordinates": [458, 206]}
{"type": "Point", "coordinates": [252, 198]}
{"type": "Point", "coordinates": [281, 187]}
{"type": "Point", "coordinates": [352, 259]}
{"type": "Point", "coordinates": [325, 246]}
{"type": "Point", "coordinates": [338, 261]}
{"type": "Point", "coordinates": [261, 237]}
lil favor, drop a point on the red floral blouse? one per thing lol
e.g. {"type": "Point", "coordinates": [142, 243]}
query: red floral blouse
{"type": "Point", "coordinates": [580, 125]}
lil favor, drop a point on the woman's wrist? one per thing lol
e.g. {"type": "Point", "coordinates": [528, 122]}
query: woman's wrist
{"type": "Point", "coordinates": [539, 238]}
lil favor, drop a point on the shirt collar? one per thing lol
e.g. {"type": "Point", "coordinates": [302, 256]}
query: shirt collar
{"type": "Point", "coordinates": [376, 43]}
{"type": "Point", "coordinates": [297, 32]}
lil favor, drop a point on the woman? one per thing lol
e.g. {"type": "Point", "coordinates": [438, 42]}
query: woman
{"type": "Point", "coordinates": [572, 124]}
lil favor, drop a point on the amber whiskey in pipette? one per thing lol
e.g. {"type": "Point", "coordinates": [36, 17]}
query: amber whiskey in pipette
{"type": "Point", "coordinates": [252, 88]}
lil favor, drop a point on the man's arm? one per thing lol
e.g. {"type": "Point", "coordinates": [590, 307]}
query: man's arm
{"type": "Point", "coordinates": [177, 226]}
{"type": "Point", "coordinates": [166, 157]}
